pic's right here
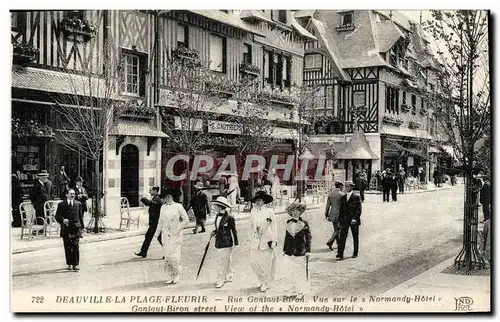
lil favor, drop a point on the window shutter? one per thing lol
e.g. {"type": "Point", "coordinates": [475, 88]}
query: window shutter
{"type": "Point", "coordinates": [288, 82]}
{"type": "Point", "coordinates": [143, 66]}
{"type": "Point", "coordinates": [279, 71]}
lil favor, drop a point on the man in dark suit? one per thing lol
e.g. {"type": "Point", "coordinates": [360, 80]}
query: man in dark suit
{"type": "Point", "coordinates": [201, 207]}
{"type": "Point", "coordinates": [81, 193]}
{"type": "Point", "coordinates": [154, 205]}
{"type": "Point", "coordinates": [40, 193]}
{"type": "Point", "coordinates": [485, 198]}
{"type": "Point", "coordinates": [17, 199]}
{"type": "Point", "coordinates": [70, 215]}
{"type": "Point", "coordinates": [350, 216]}
{"type": "Point", "coordinates": [332, 212]}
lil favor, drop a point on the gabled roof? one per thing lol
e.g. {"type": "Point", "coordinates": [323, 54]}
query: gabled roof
{"type": "Point", "coordinates": [304, 14]}
{"type": "Point", "coordinates": [301, 30]}
{"type": "Point", "coordinates": [255, 14]}
{"type": "Point", "coordinates": [387, 35]}
{"type": "Point", "coordinates": [397, 17]}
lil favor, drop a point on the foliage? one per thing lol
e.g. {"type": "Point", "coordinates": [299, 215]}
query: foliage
{"type": "Point", "coordinates": [30, 128]}
{"type": "Point", "coordinates": [77, 24]}
{"type": "Point", "coordinates": [24, 48]}
{"type": "Point", "coordinates": [250, 68]}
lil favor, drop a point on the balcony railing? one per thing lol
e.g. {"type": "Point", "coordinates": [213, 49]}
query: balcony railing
{"type": "Point", "coordinates": [392, 119]}
{"type": "Point", "coordinates": [249, 69]}
{"type": "Point", "coordinates": [24, 53]}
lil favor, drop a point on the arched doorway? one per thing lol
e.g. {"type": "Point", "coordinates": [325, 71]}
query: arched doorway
{"type": "Point", "coordinates": [130, 174]}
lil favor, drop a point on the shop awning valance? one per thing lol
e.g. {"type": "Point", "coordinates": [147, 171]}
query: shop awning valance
{"type": "Point", "coordinates": [131, 128]}
{"type": "Point", "coordinates": [357, 149]}
{"type": "Point", "coordinates": [416, 152]}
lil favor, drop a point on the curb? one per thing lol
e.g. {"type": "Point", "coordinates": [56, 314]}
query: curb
{"type": "Point", "coordinates": [127, 234]}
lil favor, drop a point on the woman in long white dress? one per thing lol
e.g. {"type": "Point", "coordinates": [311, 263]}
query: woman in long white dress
{"type": "Point", "coordinates": [173, 219]}
{"type": "Point", "coordinates": [263, 239]}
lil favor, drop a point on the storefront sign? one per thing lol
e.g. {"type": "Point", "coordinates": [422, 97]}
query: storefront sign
{"type": "Point", "coordinates": [196, 124]}
{"type": "Point", "coordinates": [224, 127]}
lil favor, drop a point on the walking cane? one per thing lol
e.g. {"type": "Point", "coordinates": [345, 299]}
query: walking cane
{"type": "Point", "coordinates": [307, 268]}
{"type": "Point", "coordinates": [204, 255]}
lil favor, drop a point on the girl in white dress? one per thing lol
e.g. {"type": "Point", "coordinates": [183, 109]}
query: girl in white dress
{"type": "Point", "coordinates": [173, 219]}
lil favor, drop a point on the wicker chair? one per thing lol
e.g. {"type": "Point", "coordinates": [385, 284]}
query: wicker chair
{"type": "Point", "coordinates": [51, 225]}
{"type": "Point", "coordinates": [29, 221]}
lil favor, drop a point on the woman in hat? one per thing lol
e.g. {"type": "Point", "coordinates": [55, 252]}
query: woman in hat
{"type": "Point", "coordinates": [201, 207]}
{"type": "Point", "coordinates": [234, 189]}
{"type": "Point", "coordinates": [264, 237]}
{"type": "Point", "coordinates": [81, 193]}
{"type": "Point", "coordinates": [297, 247]}
{"type": "Point", "coordinates": [173, 219]}
{"type": "Point", "coordinates": [226, 238]}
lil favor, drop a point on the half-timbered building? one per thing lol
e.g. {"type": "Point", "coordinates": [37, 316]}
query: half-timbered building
{"type": "Point", "coordinates": [375, 69]}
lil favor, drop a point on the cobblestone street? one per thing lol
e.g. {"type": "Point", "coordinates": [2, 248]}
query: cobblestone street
{"type": "Point", "coordinates": [398, 241]}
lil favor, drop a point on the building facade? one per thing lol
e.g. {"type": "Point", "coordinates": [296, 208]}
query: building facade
{"type": "Point", "coordinates": [376, 71]}
{"type": "Point", "coordinates": [52, 49]}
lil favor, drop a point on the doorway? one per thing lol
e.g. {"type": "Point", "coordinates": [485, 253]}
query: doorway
{"type": "Point", "coordinates": [130, 174]}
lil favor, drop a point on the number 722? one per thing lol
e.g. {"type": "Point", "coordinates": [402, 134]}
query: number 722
{"type": "Point", "coordinates": [37, 299]}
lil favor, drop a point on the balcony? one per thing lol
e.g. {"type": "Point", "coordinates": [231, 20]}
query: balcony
{"type": "Point", "coordinates": [221, 85]}
{"type": "Point", "coordinates": [137, 111]}
{"type": "Point", "coordinates": [392, 120]}
{"type": "Point", "coordinates": [30, 129]}
{"type": "Point", "coordinates": [278, 97]}
{"type": "Point", "coordinates": [249, 69]}
{"type": "Point", "coordinates": [414, 125]}
{"type": "Point", "coordinates": [77, 29]}
{"type": "Point", "coordinates": [186, 54]}
{"type": "Point", "coordinates": [24, 53]}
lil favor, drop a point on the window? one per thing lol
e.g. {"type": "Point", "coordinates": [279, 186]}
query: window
{"type": "Point", "coordinates": [413, 104]}
{"type": "Point", "coordinates": [393, 60]}
{"type": "Point", "coordinates": [131, 75]}
{"type": "Point", "coordinates": [247, 54]}
{"type": "Point", "coordinates": [277, 69]}
{"type": "Point", "coordinates": [347, 19]}
{"type": "Point", "coordinates": [313, 61]}
{"type": "Point", "coordinates": [182, 36]}
{"type": "Point", "coordinates": [391, 99]}
{"type": "Point", "coordinates": [359, 98]}
{"type": "Point", "coordinates": [74, 14]}
{"type": "Point", "coordinates": [422, 106]}
{"type": "Point", "coordinates": [217, 54]}
{"type": "Point", "coordinates": [267, 66]}
{"type": "Point", "coordinates": [279, 15]}
{"type": "Point", "coordinates": [404, 98]}
{"type": "Point", "coordinates": [329, 96]}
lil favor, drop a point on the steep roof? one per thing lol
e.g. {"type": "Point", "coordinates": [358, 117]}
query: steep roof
{"type": "Point", "coordinates": [387, 34]}
{"type": "Point", "coordinates": [357, 149]}
{"type": "Point", "coordinates": [397, 17]}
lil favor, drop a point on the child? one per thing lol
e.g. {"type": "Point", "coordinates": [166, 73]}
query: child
{"type": "Point", "coordinates": [225, 238]}
{"type": "Point", "coordinates": [297, 247]}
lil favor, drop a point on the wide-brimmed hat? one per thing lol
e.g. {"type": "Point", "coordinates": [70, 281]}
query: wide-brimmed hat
{"type": "Point", "coordinates": [78, 179]}
{"type": "Point", "coordinates": [349, 183]}
{"type": "Point", "coordinates": [264, 196]}
{"type": "Point", "coordinates": [222, 202]}
{"type": "Point", "coordinates": [169, 191]}
{"type": "Point", "coordinates": [296, 206]}
{"type": "Point", "coordinates": [199, 185]}
{"type": "Point", "coordinates": [43, 173]}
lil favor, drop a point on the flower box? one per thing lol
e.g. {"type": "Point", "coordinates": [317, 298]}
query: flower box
{"type": "Point", "coordinates": [405, 108]}
{"type": "Point", "coordinates": [250, 69]}
{"type": "Point", "coordinates": [397, 121]}
{"type": "Point", "coordinates": [30, 128]}
{"type": "Point", "coordinates": [139, 112]}
{"type": "Point", "coordinates": [24, 53]}
{"type": "Point", "coordinates": [78, 29]}
{"type": "Point", "coordinates": [423, 111]}
{"type": "Point", "coordinates": [348, 27]}
{"type": "Point", "coordinates": [414, 125]}
{"type": "Point", "coordinates": [186, 53]}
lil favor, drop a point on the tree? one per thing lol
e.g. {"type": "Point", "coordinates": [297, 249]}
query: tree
{"type": "Point", "coordinates": [463, 109]}
{"type": "Point", "coordinates": [88, 112]}
{"type": "Point", "coordinates": [194, 94]}
{"type": "Point", "coordinates": [257, 129]}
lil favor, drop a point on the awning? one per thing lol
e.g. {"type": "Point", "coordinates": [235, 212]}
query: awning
{"type": "Point", "coordinates": [357, 149]}
{"type": "Point", "coordinates": [404, 131]}
{"type": "Point", "coordinates": [132, 128]}
{"type": "Point", "coordinates": [398, 146]}
{"type": "Point", "coordinates": [255, 14]}
{"type": "Point", "coordinates": [228, 19]}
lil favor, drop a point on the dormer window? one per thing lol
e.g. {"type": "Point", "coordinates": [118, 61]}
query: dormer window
{"type": "Point", "coordinates": [346, 21]}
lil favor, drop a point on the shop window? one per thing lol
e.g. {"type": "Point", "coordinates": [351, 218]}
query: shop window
{"type": "Point", "coordinates": [182, 36]}
{"type": "Point", "coordinates": [133, 80]}
{"type": "Point", "coordinates": [217, 53]}
{"type": "Point", "coordinates": [313, 61]}
{"type": "Point", "coordinates": [247, 54]}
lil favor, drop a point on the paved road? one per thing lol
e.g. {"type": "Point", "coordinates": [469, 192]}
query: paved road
{"type": "Point", "coordinates": [398, 241]}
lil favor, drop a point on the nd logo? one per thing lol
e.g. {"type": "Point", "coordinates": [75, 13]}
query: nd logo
{"type": "Point", "coordinates": [463, 303]}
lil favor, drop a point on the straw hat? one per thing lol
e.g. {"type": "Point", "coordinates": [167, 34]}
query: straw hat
{"type": "Point", "coordinates": [349, 183]}
{"type": "Point", "coordinates": [199, 185]}
{"type": "Point", "coordinates": [296, 206]}
{"type": "Point", "coordinates": [222, 202]}
{"type": "Point", "coordinates": [43, 173]}
{"type": "Point", "coordinates": [264, 196]}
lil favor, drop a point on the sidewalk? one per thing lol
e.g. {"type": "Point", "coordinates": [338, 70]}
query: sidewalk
{"type": "Point", "coordinates": [445, 292]}
{"type": "Point", "coordinates": [430, 189]}
{"type": "Point", "coordinates": [112, 224]}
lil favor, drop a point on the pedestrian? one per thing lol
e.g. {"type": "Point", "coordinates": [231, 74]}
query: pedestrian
{"type": "Point", "coordinates": [234, 189]}
{"type": "Point", "coordinates": [154, 205]}
{"type": "Point", "coordinates": [378, 175]}
{"type": "Point", "coordinates": [264, 239]}
{"type": "Point", "coordinates": [226, 238]}
{"type": "Point", "coordinates": [40, 193]}
{"type": "Point", "coordinates": [173, 219]}
{"type": "Point", "coordinates": [386, 184]}
{"type": "Point", "coordinates": [201, 207]}
{"type": "Point", "coordinates": [63, 181]}
{"type": "Point", "coordinates": [275, 185]}
{"type": "Point", "coordinates": [81, 193]}
{"type": "Point", "coordinates": [401, 180]}
{"type": "Point", "coordinates": [69, 215]}
{"type": "Point", "coordinates": [350, 217]}
{"type": "Point", "coordinates": [332, 212]}
{"type": "Point", "coordinates": [222, 185]}
{"type": "Point", "coordinates": [297, 248]}
{"type": "Point", "coordinates": [393, 184]}
{"type": "Point", "coordinates": [17, 199]}
{"type": "Point", "coordinates": [435, 176]}
{"type": "Point", "coordinates": [362, 182]}
{"type": "Point", "coordinates": [485, 198]}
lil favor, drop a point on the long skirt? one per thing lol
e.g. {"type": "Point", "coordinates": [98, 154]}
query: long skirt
{"type": "Point", "coordinates": [225, 260]}
{"type": "Point", "coordinates": [172, 250]}
{"type": "Point", "coordinates": [263, 263]}
{"type": "Point", "coordinates": [296, 277]}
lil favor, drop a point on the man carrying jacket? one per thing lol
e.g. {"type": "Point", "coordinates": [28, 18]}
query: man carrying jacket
{"type": "Point", "coordinates": [154, 204]}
